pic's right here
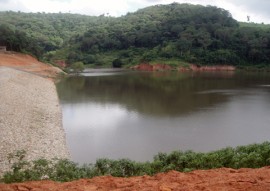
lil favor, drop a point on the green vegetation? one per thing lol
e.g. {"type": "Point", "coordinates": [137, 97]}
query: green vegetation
{"type": "Point", "coordinates": [77, 67]}
{"type": "Point", "coordinates": [250, 156]}
{"type": "Point", "coordinates": [40, 33]}
{"type": "Point", "coordinates": [175, 32]}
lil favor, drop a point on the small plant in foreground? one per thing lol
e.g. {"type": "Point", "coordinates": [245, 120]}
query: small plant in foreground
{"type": "Point", "coordinates": [250, 156]}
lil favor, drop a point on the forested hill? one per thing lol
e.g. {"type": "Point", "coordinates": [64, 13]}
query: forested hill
{"type": "Point", "coordinates": [175, 32]}
{"type": "Point", "coordinates": [40, 33]}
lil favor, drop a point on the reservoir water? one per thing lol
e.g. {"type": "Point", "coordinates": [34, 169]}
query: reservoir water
{"type": "Point", "coordinates": [135, 115]}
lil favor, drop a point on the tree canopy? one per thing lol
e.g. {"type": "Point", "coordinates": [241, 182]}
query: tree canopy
{"type": "Point", "coordinates": [191, 33]}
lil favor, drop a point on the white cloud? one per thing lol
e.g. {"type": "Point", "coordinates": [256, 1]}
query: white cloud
{"type": "Point", "coordinates": [241, 9]}
{"type": "Point", "coordinates": [97, 7]}
{"type": "Point", "coordinates": [14, 5]}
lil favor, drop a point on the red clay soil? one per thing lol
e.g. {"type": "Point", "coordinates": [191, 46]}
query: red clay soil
{"type": "Point", "coordinates": [28, 63]}
{"type": "Point", "coordinates": [150, 67]}
{"type": "Point", "coordinates": [223, 179]}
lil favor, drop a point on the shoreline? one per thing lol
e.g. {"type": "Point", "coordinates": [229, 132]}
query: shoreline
{"type": "Point", "coordinates": [187, 68]}
{"type": "Point", "coordinates": [30, 117]}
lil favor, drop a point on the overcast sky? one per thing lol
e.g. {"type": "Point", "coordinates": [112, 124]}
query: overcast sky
{"type": "Point", "coordinates": [258, 10]}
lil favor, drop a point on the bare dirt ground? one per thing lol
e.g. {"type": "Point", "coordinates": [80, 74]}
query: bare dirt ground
{"type": "Point", "coordinates": [223, 179]}
{"type": "Point", "coordinates": [29, 64]}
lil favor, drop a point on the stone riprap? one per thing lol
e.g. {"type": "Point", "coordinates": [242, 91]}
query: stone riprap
{"type": "Point", "coordinates": [30, 117]}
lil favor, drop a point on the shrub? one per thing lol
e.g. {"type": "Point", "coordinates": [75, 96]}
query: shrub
{"type": "Point", "coordinates": [117, 63]}
{"type": "Point", "coordinates": [250, 156]}
{"type": "Point", "coordinates": [77, 67]}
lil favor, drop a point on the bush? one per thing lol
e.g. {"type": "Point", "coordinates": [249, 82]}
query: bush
{"type": "Point", "coordinates": [77, 67]}
{"type": "Point", "coordinates": [117, 63]}
{"type": "Point", "coordinates": [250, 156]}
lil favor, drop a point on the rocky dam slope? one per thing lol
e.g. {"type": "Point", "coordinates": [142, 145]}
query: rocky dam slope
{"type": "Point", "coordinates": [30, 114]}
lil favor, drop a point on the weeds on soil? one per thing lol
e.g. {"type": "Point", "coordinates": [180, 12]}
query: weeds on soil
{"type": "Point", "coordinates": [250, 156]}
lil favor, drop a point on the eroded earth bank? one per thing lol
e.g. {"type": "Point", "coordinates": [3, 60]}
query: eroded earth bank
{"type": "Point", "coordinates": [223, 179]}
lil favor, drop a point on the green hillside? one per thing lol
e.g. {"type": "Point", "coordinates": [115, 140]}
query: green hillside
{"type": "Point", "coordinates": [172, 33]}
{"type": "Point", "coordinates": [256, 25]}
{"type": "Point", "coordinates": [40, 33]}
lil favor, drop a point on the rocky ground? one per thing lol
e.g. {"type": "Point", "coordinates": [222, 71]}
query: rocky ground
{"type": "Point", "coordinates": [30, 114]}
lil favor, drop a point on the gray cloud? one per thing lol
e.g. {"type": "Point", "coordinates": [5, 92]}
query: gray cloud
{"type": "Point", "coordinates": [12, 5]}
{"type": "Point", "coordinates": [154, 1]}
{"type": "Point", "coordinates": [261, 7]}
{"type": "Point", "coordinates": [257, 9]}
{"type": "Point", "coordinates": [60, 0]}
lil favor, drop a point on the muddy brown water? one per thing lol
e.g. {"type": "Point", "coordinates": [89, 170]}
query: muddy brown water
{"type": "Point", "coordinates": [135, 115]}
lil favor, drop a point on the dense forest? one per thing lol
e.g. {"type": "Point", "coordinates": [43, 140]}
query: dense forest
{"type": "Point", "coordinates": [175, 33]}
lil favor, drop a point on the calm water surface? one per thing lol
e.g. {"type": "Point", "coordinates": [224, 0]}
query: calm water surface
{"type": "Point", "coordinates": [136, 115]}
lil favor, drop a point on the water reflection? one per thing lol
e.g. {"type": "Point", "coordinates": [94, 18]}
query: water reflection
{"type": "Point", "coordinates": [149, 93]}
{"type": "Point", "coordinates": [136, 115]}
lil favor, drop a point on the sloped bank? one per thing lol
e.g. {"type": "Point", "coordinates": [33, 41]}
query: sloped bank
{"type": "Point", "coordinates": [30, 117]}
{"type": "Point", "coordinates": [27, 63]}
